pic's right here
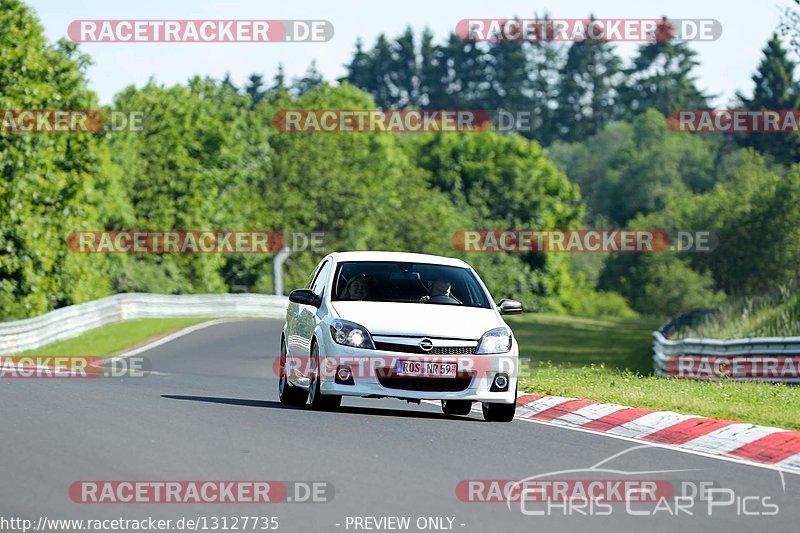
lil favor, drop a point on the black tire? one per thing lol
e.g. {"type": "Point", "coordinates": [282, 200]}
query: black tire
{"type": "Point", "coordinates": [289, 394]}
{"type": "Point", "coordinates": [499, 412]}
{"type": "Point", "coordinates": [316, 400]}
{"type": "Point", "coordinates": [456, 407]}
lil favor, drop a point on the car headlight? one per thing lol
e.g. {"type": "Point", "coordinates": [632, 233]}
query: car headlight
{"type": "Point", "coordinates": [351, 334]}
{"type": "Point", "coordinates": [496, 340]}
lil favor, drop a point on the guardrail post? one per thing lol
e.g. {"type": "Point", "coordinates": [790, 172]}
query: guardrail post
{"type": "Point", "coordinates": [277, 270]}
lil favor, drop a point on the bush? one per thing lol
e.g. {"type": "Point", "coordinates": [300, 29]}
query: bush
{"type": "Point", "coordinates": [659, 284]}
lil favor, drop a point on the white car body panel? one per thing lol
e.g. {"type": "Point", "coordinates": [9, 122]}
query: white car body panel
{"type": "Point", "coordinates": [389, 318]}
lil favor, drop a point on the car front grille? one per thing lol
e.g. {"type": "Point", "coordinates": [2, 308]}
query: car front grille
{"type": "Point", "coordinates": [456, 384]}
{"type": "Point", "coordinates": [413, 348]}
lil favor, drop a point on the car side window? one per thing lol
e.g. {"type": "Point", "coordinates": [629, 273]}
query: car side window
{"type": "Point", "coordinates": [318, 285]}
{"type": "Point", "coordinates": [313, 277]}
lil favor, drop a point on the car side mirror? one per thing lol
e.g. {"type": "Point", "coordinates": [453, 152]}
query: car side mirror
{"type": "Point", "coordinates": [509, 307]}
{"type": "Point", "coordinates": [305, 297]}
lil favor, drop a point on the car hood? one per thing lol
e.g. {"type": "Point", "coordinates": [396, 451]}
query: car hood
{"type": "Point", "coordinates": [418, 319]}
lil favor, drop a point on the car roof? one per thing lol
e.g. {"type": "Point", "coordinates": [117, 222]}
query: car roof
{"type": "Point", "coordinates": [398, 256]}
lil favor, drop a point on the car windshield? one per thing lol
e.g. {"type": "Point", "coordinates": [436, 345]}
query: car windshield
{"type": "Point", "coordinates": [423, 283]}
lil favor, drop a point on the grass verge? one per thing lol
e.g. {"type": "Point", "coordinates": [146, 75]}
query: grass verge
{"type": "Point", "coordinates": [608, 360]}
{"type": "Point", "coordinates": [114, 338]}
{"type": "Point", "coordinates": [772, 315]}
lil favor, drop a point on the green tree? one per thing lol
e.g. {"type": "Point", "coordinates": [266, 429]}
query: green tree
{"type": "Point", "coordinates": [662, 78]}
{"type": "Point", "coordinates": [467, 82]}
{"type": "Point", "coordinates": [200, 147]}
{"type": "Point", "coordinates": [775, 88]}
{"type": "Point", "coordinates": [311, 79]}
{"type": "Point", "coordinates": [403, 73]}
{"type": "Point", "coordinates": [363, 190]}
{"type": "Point", "coordinates": [255, 88]}
{"type": "Point", "coordinates": [655, 166]}
{"type": "Point", "coordinates": [279, 81]}
{"type": "Point", "coordinates": [628, 169]}
{"type": "Point", "coordinates": [48, 182]}
{"type": "Point", "coordinates": [586, 98]}
{"type": "Point", "coordinates": [433, 73]}
{"type": "Point", "coordinates": [544, 61]}
{"type": "Point", "coordinates": [359, 70]}
{"type": "Point", "coordinates": [380, 67]}
{"type": "Point", "coordinates": [790, 25]}
{"type": "Point", "coordinates": [661, 284]}
{"type": "Point", "coordinates": [587, 163]}
{"type": "Point", "coordinates": [755, 217]}
{"type": "Point", "coordinates": [505, 182]}
{"type": "Point", "coordinates": [507, 68]}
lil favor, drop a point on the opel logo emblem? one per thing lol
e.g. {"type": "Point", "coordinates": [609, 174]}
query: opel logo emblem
{"type": "Point", "coordinates": [426, 345]}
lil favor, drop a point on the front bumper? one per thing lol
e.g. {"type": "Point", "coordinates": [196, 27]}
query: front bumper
{"type": "Point", "coordinates": [373, 375]}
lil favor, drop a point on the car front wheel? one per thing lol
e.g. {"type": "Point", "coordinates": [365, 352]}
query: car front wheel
{"type": "Point", "coordinates": [499, 412]}
{"type": "Point", "coordinates": [456, 407]}
{"type": "Point", "coordinates": [316, 399]}
{"type": "Point", "coordinates": [288, 394]}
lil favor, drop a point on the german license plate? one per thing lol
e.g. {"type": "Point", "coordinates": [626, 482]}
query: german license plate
{"type": "Point", "coordinates": [426, 369]}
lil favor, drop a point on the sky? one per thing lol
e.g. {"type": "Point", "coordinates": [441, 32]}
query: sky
{"type": "Point", "coordinates": [727, 64]}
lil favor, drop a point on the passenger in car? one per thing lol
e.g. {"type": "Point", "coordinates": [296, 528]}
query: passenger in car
{"type": "Point", "coordinates": [357, 288]}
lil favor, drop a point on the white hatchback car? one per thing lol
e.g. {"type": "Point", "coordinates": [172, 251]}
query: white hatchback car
{"type": "Point", "coordinates": [401, 325]}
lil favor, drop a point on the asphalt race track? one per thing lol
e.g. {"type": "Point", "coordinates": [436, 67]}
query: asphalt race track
{"type": "Point", "coordinates": [210, 411]}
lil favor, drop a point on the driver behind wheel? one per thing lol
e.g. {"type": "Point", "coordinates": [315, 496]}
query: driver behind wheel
{"type": "Point", "coordinates": [440, 287]}
{"type": "Point", "coordinates": [440, 293]}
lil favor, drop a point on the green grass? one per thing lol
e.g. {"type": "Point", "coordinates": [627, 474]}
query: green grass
{"type": "Point", "coordinates": [623, 343]}
{"type": "Point", "coordinates": [114, 338]}
{"type": "Point", "coordinates": [772, 315]}
{"type": "Point", "coordinates": [609, 360]}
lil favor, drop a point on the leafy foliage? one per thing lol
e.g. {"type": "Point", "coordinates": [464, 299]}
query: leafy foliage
{"type": "Point", "coordinates": [38, 202]}
{"type": "Point", "coordinates": [572, 91]}
{"type": "Point", "coordinates": [774, 88]}
{"type": "Point", "coordinates": [208, 156]}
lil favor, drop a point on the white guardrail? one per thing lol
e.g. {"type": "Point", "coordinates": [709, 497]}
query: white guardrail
{"type": "Point", "coordinates": [71, 321]}
{"type": "Point", "coordinates": [773, 359]}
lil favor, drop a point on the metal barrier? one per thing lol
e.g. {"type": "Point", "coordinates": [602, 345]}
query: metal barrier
{"type": "Point", "coordinates": [71, 321]}
{"type": "Point", "coordinates": [773, 359]}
